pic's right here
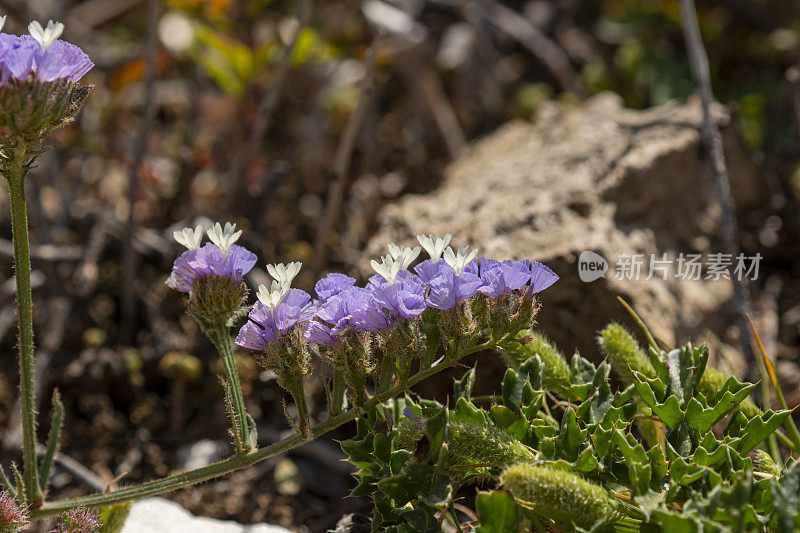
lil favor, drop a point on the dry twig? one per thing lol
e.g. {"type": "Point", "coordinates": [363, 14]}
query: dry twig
{"type": "Point", "coordinates": [266, 110]}
{"type": "Point", "coordinates": [129, 256]}
{"type": "Point", "coordinates": [698, 60]}
{"type": "Point", "coordinates": [344, 152]}
{"type": "Point", "coordinates": [537, 43]}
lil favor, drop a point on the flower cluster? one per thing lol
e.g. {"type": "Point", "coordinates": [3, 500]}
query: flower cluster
{"type": "Point", "coordinates": [443, 281]}
{"type": "Point", "coordinates": [41, 55]}
{"type": "Point", "coordinates": [404, 312]}
{"type": "Point", "coordinates": [39, 87]}
{"type": "Point", "coordinates": [220, 257]}
{"type": "Point", "coordinates": [212, 274]}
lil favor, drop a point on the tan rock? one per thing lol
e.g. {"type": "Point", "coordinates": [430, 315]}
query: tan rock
{"type": "Point", "coordinates": [597, 177]}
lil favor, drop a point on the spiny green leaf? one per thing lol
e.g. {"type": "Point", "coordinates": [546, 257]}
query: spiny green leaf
{"type": "Point", "coordinates": [462, 388]}
{"type": "Point", "coordinates": [497, 512]}
{"type": "Point", "coordinates": [502, 416]}
{"type": "Point", "coordinates": [758, 428]}
{"type": "Point", "coordinates": [732, 394]}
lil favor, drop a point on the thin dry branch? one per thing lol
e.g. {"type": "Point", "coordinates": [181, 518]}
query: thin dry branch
{"type": "Point", "coordinates": [266, 110]}
{"type": "Point", "coordinates": [148, 113]}
{"type": "Point", "coordinates": [344, 152]}
{"type": "Point", "coordinates": [537, 43]}
{"type": "Point", "coordinates": [698, 60]}
{"type": "Point", "coordinates": [443, 113]}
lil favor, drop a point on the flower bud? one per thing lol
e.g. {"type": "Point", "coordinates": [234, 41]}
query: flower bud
{"type": "Point", "coordinates": [624, 353]}
{"type": "Point", "coordinates": [78, 520]}
{"type": "Point", "coordinates": [31, 109]}
{"type": "Point", "coordinates": [763, 462]}
{"type": "Point", "coordinates": [484, 448]}
{"type": "Point", "coordinates": [13, 517]}
{"type": "Point", "coordinates": [216, 299]}
{"type": "Point", "coordinates": [560, 495]}
{"type": "Point", "coordinates": [556, 372]}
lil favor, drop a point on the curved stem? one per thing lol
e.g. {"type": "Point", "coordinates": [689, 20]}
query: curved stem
{"type": "Point", "coordinates": [15, 173]}
{"type": "Point", "coordinates": [221, 337]}
{"type": "Point", "coordinates": [186, 479]}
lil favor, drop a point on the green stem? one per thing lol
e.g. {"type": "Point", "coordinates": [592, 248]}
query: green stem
{"type": "Point", "coordinates": [238, 462]}
{"type": "Point", "coordinates": [52, 441]}
{"type": "Point", "coordinates": [487, 398]}
{"type": "Point", "coordinates": [294, 385]}
{"type": "Point", "coordinates": [387, 372]}
{"type": "Point", "coordinates": [338, 389]}
{"type": "Point", "coordinates": [15, 173]}
{"type": "Point", "coordinates": [221, 337]}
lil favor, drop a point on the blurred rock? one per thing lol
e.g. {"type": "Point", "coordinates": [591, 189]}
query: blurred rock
{"type": "Point", "coordinates": [158, 515]}
{"type": "Point", "coordinates": [201, 453]}
{"type": "Point", "coordinates": [595, 177]}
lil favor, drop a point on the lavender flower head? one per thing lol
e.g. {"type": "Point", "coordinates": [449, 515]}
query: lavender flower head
{"type": "Point", "coordinates": [277, 310]}
{"type": "Point", "coordinates": [353, 309]}
{"type": "Point", "coordinates": [41, 55]}
{"type": "Point", "coordinates": [331, 285]}
{"type": "Point", "coordinates": [219, 258]}
{"type": "Point", "coordinates": [39, 89]}
{"type": "Point", "coordinates": [396, 290]}
{"type": "Point", "coordinates": [541, 276]}
{"type": "Point", "coordinates": [450, 280]}
{"type": "Point", "coordinates": [501, 277]}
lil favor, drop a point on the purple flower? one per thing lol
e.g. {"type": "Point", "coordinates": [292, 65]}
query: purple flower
{"type": "Point", "coordinates": [409, 413]}
{"type": "Point", "coordinates": [331, 285]}
{"type": "Point", "coordinates": [267, 325]}
{"type": "Point", "coordinates": [541, 276]}
{"type": "Point", "coordinates": [405, 298]}
{"type": "Point", "coordinates": [353, 309]}
{"type": "Point", "coordinates": [446, 288]}
{"type": "Point", "coordinates": [209, 260]}
{"type": "Point", "coordinates": [16, 59]}
{"type": "Point", "coordinates": [500, 277]}
{"type": "Point", "coordinates": [62, 60]}
{"type": "Point", "coordinates": [25, 55]}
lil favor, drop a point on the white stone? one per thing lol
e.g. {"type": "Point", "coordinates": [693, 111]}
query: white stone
{"type": "Point", "coordinates": [159, 515]}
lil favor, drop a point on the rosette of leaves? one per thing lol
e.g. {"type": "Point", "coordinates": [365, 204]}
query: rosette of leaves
{"type": "Point", "coordinates": [557, 450]}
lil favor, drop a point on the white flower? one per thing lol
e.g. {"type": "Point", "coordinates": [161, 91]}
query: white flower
{"type": "Point", "coordinates": [407, 253]}
{"type": "Point", "coordinates": [188, 237]}
{"type": "Point", "coordinates": [388, 268]}
{"type": "Point", "coordinates": [459, 260]}
{"type": "Point", "coordinates": [434, 245]}
{"type": "Point", "coordinates": [284, 274]}
{"type": "Point", "coordinates": [224, 238]}
{"type": "Point", "coordinates": [45, 36]}
{"type": "Point", "coordinates": [273, 296]}
{"type": "Point", "coordinates": [2, 22]}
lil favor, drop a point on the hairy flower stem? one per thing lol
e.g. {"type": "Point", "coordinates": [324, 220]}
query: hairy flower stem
{"type": "Point", "coordinates": [220, 335]}
{"type": "Point", "coordinates": [338, 390]}
{"type": "Point", "coordinates": [294, 384]}
{"type": "Point", "coordinates": [15, 171]}
{"type": "Point", "coordinates": [238, 462]}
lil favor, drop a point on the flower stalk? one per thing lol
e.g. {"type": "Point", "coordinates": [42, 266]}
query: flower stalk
{"type": "Point", "coordinates": [15, 169]}
{"type": "Point", "coordinates": [221, 337]}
